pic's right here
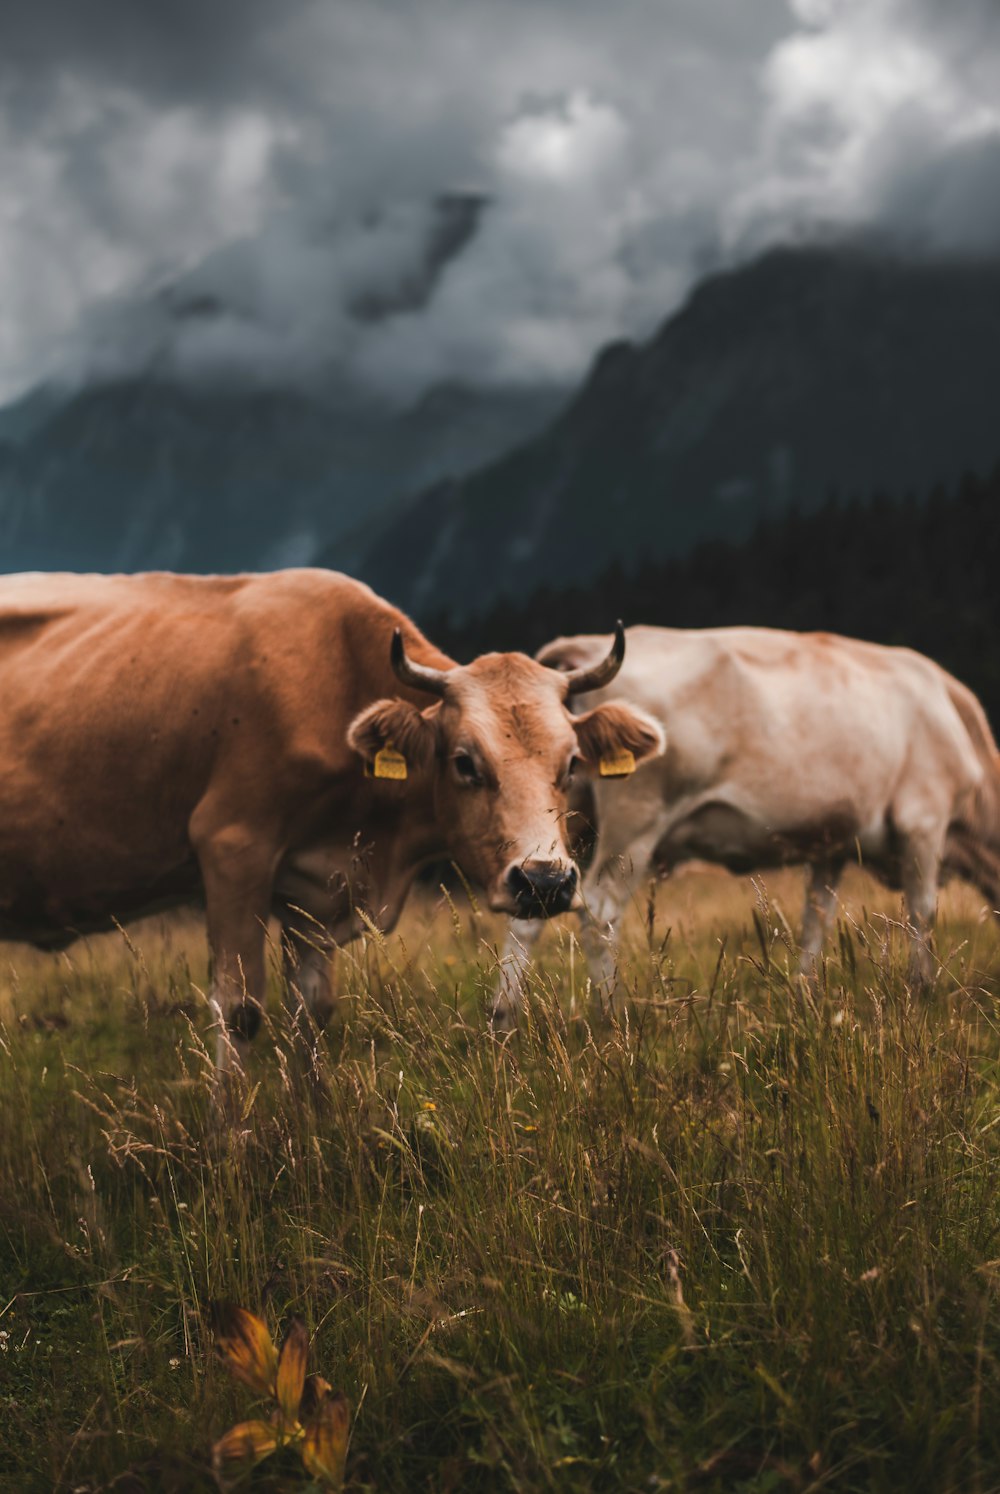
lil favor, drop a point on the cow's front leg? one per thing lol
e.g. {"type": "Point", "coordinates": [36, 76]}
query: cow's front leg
{"type": "Point", "coordinates": [611, 884]}
{"type": "Point", "coordinates": [600, 928]}
{"type": "Point", "coordinates": [822, 878]}
{"type": "Point", "coordinates": [307, 952]}
{"type": "Point", "coordinates": [237, 873]}
{"type": "Point", "coordinates": [515, 963]}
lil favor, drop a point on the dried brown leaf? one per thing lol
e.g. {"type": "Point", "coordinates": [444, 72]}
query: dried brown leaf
{"type": "Point", "coordinates": [324, 1447]}
{"type": "Point", "coordinates": [314, 1392]}
{"type": "Point", "coordinates": [292, 1372]}
{"type": "Point", "coordinates": [247, 1443]}
{"type": "Point", "coordinates": [245, 1345]}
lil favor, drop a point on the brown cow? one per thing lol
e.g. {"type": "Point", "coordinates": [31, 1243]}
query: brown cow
{"type": "Point", "coordinates": [165, 737]}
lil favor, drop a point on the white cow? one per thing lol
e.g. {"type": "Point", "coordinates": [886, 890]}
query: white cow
{"type": "Point", "coordinates": [784, 748]}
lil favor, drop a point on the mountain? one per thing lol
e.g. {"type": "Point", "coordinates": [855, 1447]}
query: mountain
{"type": "Point", "coordinates": [228, 418]}
{"type": "Point", "coordinates": [918, 571]}
{"type": "Point", "coordinates": [151, 471]}
{"type": "Point", "coordinates": [808, 372]}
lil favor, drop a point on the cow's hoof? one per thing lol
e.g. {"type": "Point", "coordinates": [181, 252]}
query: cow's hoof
{"type": "Point", "coordinates": [244, 1020]}
{"type": "Point", "coordinates": [503, 1020]}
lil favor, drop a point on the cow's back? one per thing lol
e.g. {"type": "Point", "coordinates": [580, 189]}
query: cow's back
{"type": "Point", "coordinates": [793, 727]}
{"type": "Point", "coordinates": [101, 671]}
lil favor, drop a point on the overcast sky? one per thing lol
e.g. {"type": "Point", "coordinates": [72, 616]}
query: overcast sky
{"type": "Point", "coordinates": [256, 185]}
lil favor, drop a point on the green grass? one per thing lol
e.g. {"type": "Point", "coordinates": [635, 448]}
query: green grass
{"type": "Point", "coordinates": [743, 1238]}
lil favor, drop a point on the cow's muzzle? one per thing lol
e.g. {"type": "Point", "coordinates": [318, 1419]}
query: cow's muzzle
{"type": "Point", "coordinates": [540, 889]}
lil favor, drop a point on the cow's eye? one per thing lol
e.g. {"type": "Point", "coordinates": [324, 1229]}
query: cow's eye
{"type": "Point", "coordinates": [465, 767]}
{"type": "Point", "coordinates": [569, 772]}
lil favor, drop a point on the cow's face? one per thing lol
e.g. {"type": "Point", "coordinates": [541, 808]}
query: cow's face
{"type": "Point", "coordinates": [502, 749]}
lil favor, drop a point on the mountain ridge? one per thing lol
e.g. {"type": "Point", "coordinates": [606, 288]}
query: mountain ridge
{"type": "Point", "coordinates": [804, 372]}
{"type": "Point", "coordinates": [149, 472]}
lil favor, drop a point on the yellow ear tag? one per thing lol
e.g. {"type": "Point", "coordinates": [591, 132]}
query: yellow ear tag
{"type": "Point", "coordinates": [619, 765]}
{"type": "Point", "coordinates": [389, 763]}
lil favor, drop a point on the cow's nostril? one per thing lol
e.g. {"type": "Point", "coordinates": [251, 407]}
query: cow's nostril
{"type": "Point", "coordinates": [542, 888]}
{"type": "Point", "coordinates": [519, 882]}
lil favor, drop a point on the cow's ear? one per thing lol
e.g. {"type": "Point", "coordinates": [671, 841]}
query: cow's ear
{"type": "Point", "coordinates": [614, 739]}
{"type": "Point", "coordinates": [398, 726]}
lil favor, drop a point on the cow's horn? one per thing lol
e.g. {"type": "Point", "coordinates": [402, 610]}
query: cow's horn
{"type": "Point", "coordinates": [417, 676]}
{"type": "Point", "coordinates": [595, 676]}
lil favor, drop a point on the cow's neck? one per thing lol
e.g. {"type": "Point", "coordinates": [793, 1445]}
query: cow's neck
{"type": "Point", "coordinates": [365, 860]}
{"type": "Point", "coordinates": [401, 846]}
{"type": "Point", "coordinates": [417, 838]}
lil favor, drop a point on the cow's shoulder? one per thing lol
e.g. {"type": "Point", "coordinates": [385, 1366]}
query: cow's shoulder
{"type": "Point", "coordinates": [301, 585]}
{"type": "Point", "coordinates": [319, 607]}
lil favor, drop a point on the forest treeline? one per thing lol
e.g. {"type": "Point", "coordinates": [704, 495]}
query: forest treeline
{"type": "Point", "coordinates": [916, 571]}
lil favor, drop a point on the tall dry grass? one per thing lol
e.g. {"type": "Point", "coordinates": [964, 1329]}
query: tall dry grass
{"type": "Point", "coordinates": [742, 1235]}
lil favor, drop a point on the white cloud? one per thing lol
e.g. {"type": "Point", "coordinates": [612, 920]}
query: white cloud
{"type": "Point", "coordinates": [577, 141]}
{"type": "Point", "coordinates": [865, 96]}
{"type": "Point", "coordinates": [814, 12]}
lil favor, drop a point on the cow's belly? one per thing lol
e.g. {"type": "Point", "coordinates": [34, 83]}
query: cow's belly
{"type": "Point", "coordinates": [79, 852]}
{"type": "Point", "coordinates": [742, 838]}
{"type": "Point", "coordinates": [52, 916]}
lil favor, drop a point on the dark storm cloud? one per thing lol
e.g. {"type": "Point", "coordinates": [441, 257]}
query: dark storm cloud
{"type": "Point", "coordinates": [216, 51]}
{"type": "Point", "coordinates": [281, 168]}
{"type": "Point", "coordinates": [191, 51]}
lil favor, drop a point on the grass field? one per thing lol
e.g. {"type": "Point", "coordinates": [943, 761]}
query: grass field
{"type": "Point", "coordinates": [743, 1238]}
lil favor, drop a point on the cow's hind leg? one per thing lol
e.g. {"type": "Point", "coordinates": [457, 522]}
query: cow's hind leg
{"type": "Point", "coordinates": [822, 878]}
{"type": "Point", "coordinates": [515, 963]}
{"type": "Point", "coordinates": [971, 859]}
